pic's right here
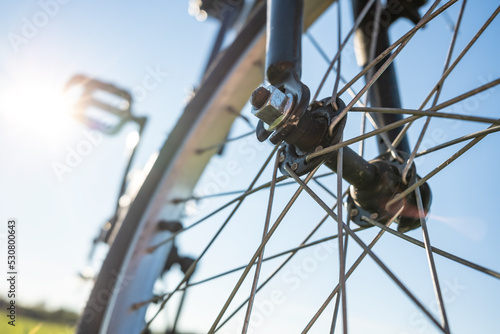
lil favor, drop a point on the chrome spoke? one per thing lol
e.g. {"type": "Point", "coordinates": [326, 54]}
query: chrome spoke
{"type": "Point", "coordinates": [386, 128]}
{"type": "Point", "coordinates": [411, 119]}
{"type": "Point", "coordinates": [449, 70]}
{"type": "Point", "coordinates": [342, 256]}
{"type": "Point", "coordinates": [448, 103]}
{"type": "Point", "coordinates": [466, 95]}
{"type": "Point", "coordinates": [417, 184]}
{"type": "Point", "coordinates": [462, 54]}
{"type": "Point", "coordinates": [385, 139]}
{"type": "Point", "coordinates": [363, 131]}
{"type": "Point", "coordinates": [289, 251]}
{"type": "Point", "coordinates": [257, 252]}
{"type": "Point", "coordinates": [337, 300]}
{"type": "Point", "coordinates": [337, 78]}
{"type": "Point", "coordinates": [192, 267]}
{"type": "Point", "coordinates": [427, 18]}
{"type": "Point", "coordinates": [325, 188]}
{"type": "Point", "coordinates": [432, 113]}
{"type": "Point", "coordinates": [364, 246]}
{"type": "Point", "coordinates": [438, 91]}
{"type": "Point", "coordinates": [375, 32]}
{"type": "Point", "coordinates": [434, 249]}
{"type": "Point", "coordinates": [325, 57]}
{"type": "Point", "coordinates": [430, 259]}
{"type": "Point", "coordinates": [261, 254]}
{"type": "Point", "coordinates": [356, 24]}
{"type": "Point", "coordinates": [381, 70]}
{"type": "Point", "coordinates": [348, 274]}
{"type": "Point", "coordinates": [224, 142]}
{"type": "Point", "coordinates": [282, 265]}
{"type": "Point", "coordinates": [459, 140]}
{"type": "Point", "coordinates": [335, 314]}
{"type": "Point", "coordinates": [233, 111]}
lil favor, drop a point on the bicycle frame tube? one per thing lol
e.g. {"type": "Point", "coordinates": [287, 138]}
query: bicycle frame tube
{"type": "Point", "coordinates": [384, 92]}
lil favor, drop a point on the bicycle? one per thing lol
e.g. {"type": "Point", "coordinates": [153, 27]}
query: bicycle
{"type": "Point", "coordinates": [308, 134]}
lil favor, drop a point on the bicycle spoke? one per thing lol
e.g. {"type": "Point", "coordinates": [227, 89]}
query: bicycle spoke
{"type": "Point", "coordinates": [459, 140]}
{"type": "Point", "coordinates": [356, 24]}
{"type": "Point", "coordinates": [325, 57]}
{"type": "Point", "coordinates": [337, 78]}
{"type": "Point", "coordinates": [379, 72]}
{"type": "Point", "coordinates": [335, 315]}
{"type": "Point", "coordinates": [279, 183]}
{"type": "Point", "coordinates": [386, 128]}
{"type": "Point", "coordinates": [233, 111]}
{"type": "Point", "coordinates": [363, 131]}
{"type": "Point", "coordinates": [290, 251]}
{"type": "Point", "coordinates": [224, 142]}
{"type": "Point", "coordinates": [191, 268]}
{"type": "Point", "coordinates": [417, 184]}
{"type": "Point", "coordinates": [281, 266]}
{"type": "Point", "coordinates": [262, 245]}
{"type": "Point", "coordinates": [449, 70]}
{"type": "Point", "coordinates": [325, 188]}
{"type": "Point", "coordinates": [337, 300]}
{"type": "Point", "coordinates": [411, 119]}
{"type": "Point", "coordinates": [365, 247]}
{"type": "Point", "coordinates": [438, 91]}
{"type": "Point", "coordinates": [374, 37]}
{"type": "Point", "coordinates": [431, 113]}
{"type": "Point", "coordinates": [430, 259]}
{"type": "Point", "coordinates": [403, 38]}
{"type": "Point", "coordinates": [385, 139]}
{"type": "Point", "coordinates": [434, 249]}
{"type": "Point", "coordinates": [348, 274]}
{"type": "Point", "coordinates": [462, 54]}
{"type": "Point", "coordinates": [466, 95]}
{"type": "Point", "coordinates": [342, 256]}
{"type": "Point", "coordinates": [261, 254]}
{"type": "Point", "coordinates": [173, 329]}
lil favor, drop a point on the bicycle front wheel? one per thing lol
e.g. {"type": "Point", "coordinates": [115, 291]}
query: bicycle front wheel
{"type": "Point", "coordinates": [388, 286]}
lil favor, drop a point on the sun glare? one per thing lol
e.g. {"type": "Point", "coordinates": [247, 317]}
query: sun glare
{"type": "Point", "coordinates": [40, 111]}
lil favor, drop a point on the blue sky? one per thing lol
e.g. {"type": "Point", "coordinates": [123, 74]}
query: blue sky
{"type": "Point", "coordinates": [124, 43]}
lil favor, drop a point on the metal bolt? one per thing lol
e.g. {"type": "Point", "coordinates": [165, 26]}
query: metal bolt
{"type": "Point", "coordinates": [271, 106]}
{"type": "Point", "coordinates": [374, 216]}
{"type": "Point", "coordinates": [282, 157]}
{"type": "Point", "coordinates": [259, 97]}
{"type": "Point", "coordinates": [354, 212]}
{"type": "Point", "coordinates": [294, 166]}
{"type": "Point", "coordinates": [318, 148]}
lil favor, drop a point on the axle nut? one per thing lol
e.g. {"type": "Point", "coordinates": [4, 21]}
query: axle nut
{"type": "Point", "coordinates": [271, 106]}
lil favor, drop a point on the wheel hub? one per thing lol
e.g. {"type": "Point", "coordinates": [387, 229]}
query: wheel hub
{"type": "Point", "coordinates": [371, 201]}
{"type": "Point", "coordinates": [304, 130]}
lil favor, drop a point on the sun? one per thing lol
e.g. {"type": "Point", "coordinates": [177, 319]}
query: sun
{"type": "Point", "coordinates": [39, 109]}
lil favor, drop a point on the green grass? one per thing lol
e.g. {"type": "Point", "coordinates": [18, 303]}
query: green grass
{"type": "Point", "coordinates": [34, 326]}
